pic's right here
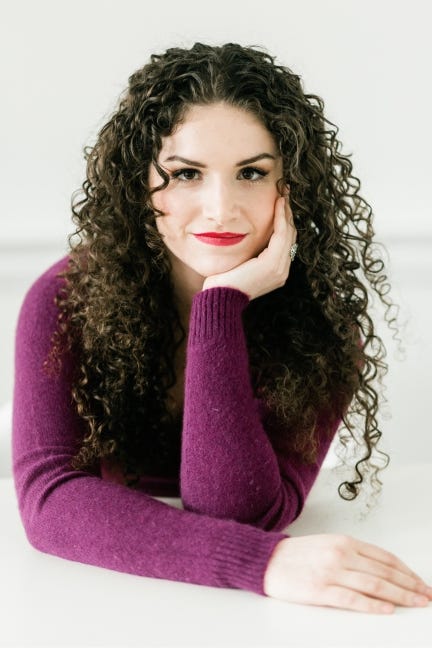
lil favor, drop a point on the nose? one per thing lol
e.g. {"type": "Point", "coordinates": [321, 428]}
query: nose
{"type": "Point", "coordinates": [219, 203]}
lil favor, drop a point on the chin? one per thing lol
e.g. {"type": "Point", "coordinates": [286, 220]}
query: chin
{"type": "Point", "coordinates": [209, 267]}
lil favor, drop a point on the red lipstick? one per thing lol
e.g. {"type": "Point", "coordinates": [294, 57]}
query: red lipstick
{"type": "Point", "coordinates": [220, 238]}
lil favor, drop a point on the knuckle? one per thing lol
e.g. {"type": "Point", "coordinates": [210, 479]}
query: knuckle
{"type": "Point", "coordinates": [344, 544]}
{"type": "Point", "coordinates": [348, 599]}
{"type": "Point", "coordinates": [343, 541]}
{"type": "Point", "coordinates": [374, 587]}
{"type": "Point", "coordinates": [323, 578]}
{"type": "Point", "coordinates": [408, 598]}
{"type": "Point", "coordinates": [337, 551]}
{"type": "Point", "coordinates": [380, 607]}
{"type": "Point", "coordinates": [280, 276]}
{"type": "Point", "coordinates": [332, 556]}
{"type": "Point", "coordinates": [388, 573]}
{"type": "Point", "coordinates": [392, 563]}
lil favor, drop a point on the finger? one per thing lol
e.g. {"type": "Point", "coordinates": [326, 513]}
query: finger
{"type": "Point", "coordinates": [281, 224]}
{"type": "Point", "coordinates": [284, 221]}
{"type": "Point", "coordinates": [287, 211]}
{"type": "Point", "coordinates": [391, 574]}
{"type": "Point", "coordinates": [286, 190]}
{"type": "Point", "coordinates": [380, 588]}
{"type": "Point", "coordinates": [385, 557]}
{"type": "Point", "coordinates": [289, 219]}
{"type": "Point", "coordinates": [336, 596]}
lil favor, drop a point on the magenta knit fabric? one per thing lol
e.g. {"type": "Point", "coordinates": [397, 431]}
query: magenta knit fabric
{"type": "Point", "coordinates": [237, 493]}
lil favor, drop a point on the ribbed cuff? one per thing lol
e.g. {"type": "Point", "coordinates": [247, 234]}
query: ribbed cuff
{"type": "Point", "coordinates": [242, 558]}
{"type": "Point", "coordinates": [216, 313]}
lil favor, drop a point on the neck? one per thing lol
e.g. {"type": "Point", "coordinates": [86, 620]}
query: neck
{"type": "Point", "coordinates": [187, 283]}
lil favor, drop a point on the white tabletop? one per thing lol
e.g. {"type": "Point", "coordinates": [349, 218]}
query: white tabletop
{"type": "Point", "coordinates": [48, 601]}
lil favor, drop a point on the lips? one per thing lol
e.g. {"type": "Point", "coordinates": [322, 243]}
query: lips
{"type": "Point", "coordinates": [221, 234]}
{"type": "Point", "coordinates": [222, 238]}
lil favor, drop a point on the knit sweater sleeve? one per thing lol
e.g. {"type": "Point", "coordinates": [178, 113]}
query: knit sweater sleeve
{"type": "Point", "coordinates": [78, 516]}
{"type": "Point", "coordinates": [229, 469]}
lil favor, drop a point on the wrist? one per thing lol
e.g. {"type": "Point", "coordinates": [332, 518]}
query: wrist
{"type": "Point", "coordinates": [273, 570]}
{"type": "Point", "coordinates": [208, 283]}
{"type": "Point", "coordinates": [212, 282]}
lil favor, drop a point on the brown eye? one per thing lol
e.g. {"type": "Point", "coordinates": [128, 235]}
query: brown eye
{"type": "Point", "coordinates": [184, 172]}
{"type": "Point", "coordinates": [252, 170]}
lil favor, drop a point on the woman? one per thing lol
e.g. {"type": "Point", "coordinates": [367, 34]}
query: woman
{"type": "Point", "coordinates": [183, 348]}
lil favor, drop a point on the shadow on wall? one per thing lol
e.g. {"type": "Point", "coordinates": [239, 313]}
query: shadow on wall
{"type": "Point", "coordinates": [5, 440]}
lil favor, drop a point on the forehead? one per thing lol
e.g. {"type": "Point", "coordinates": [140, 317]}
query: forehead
{"type": "Point", "coordinates": [219, 127]}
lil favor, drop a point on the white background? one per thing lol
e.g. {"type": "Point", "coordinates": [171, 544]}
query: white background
{"type": "Point", "coordinates": [64, 64]}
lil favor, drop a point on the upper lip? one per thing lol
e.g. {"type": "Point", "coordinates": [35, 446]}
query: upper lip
{"type": "Point", "coordinates": [220, 234]}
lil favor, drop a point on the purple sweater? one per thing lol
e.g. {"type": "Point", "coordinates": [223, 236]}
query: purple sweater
{"type": "Point", "coordinates": [237, 493]}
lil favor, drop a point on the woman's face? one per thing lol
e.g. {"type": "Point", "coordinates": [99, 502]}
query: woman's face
{"type": "Point", "coordinates": [217, 186]}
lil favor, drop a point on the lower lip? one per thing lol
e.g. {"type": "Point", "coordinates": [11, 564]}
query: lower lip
{"type": "Point", "coordinates": [213, 240]}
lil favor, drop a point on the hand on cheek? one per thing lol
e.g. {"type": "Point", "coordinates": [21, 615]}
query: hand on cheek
{"type": "Point", "coordinates": [270, 269]}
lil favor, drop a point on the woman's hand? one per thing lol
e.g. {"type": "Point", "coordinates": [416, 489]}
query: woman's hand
{"type": "Point", "coordinates": [340, 571]}
{"type": "Point", "coordinates": [269, 270]}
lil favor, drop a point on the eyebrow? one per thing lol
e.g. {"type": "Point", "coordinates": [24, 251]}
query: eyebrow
{"type": "Point", "coordinates": [255, 158]}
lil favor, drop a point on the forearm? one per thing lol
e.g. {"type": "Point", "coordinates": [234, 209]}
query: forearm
{"type": "Point", "coordinates": [82, 518]}
{"type": "Point", "coordinates": [79, 516]}
{"type": "Point", "coordinates": [229, 468]}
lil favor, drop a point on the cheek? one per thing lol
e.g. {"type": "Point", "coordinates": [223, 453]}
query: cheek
{"type": "Point", "coordinates": [263, 211]}
{"type": "Point", "coordinates": [160, 226]}
{"type": "Point", "coordinates": [159, 201]}
{"type": "Point", "coordinates": [171, 203]}
{"type": "Point", "coordinates": [172, 225]}
{"type": "Point", "coordinates": [165, 224]}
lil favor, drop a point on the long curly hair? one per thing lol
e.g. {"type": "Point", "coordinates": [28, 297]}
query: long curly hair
{"type": "Point", "coordinates": [312, 345]}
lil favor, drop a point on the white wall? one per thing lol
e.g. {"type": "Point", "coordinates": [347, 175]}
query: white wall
{"type": "Point", "coordinates": [64, 64]}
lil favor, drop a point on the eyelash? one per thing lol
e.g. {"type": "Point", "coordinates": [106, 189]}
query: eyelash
{"type": "Point", "coordinates": [176, 175]}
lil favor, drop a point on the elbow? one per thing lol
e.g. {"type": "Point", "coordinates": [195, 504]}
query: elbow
{"type": "Point", "coordinates": [31, 522]}
{"type": "Point", "coordinates": [285, 507]}
{"type": "Point", "coordinates": [33, 490]}
{"type": "Point", "coordinates": [34, 536]}
{"type": "Point", "coordinates": [42, 537]}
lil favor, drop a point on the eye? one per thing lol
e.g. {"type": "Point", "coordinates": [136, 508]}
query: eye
{"type": "Point", "coordinates": [177, 174]}
{"type": "Point", "coordinates": [261, 174]}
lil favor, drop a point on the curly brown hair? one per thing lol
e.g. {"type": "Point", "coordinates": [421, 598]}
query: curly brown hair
{"type": "Point", "coordinates": [312, 346]}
